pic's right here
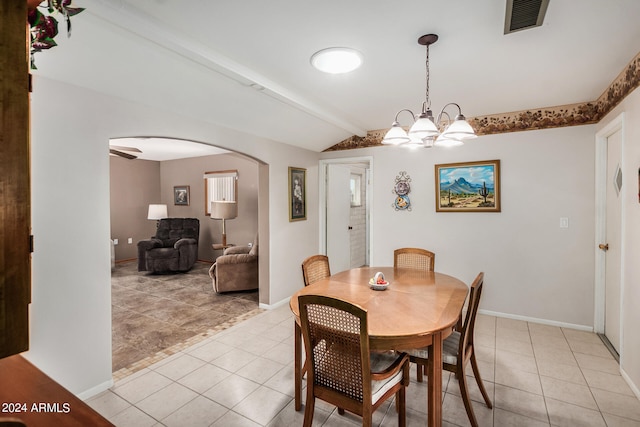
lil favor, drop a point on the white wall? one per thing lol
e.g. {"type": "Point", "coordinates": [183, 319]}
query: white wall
{"type": "Point", "coordinates": [71, 308]}
{"type": "Point", "coordinates": [532, 268]}
{"type": "Point", "coordinates": [630, 342]}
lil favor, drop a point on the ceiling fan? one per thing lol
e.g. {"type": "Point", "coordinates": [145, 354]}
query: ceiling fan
{"type": "Point", "coordinates": [117, 150]}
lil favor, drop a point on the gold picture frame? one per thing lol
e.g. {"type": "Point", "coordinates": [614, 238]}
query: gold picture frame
{"type": "Point", "coordinates": [468, 186]}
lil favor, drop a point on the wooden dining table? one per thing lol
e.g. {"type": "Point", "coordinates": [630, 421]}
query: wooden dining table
{"type": "Point", "coordinates": [417, 309]}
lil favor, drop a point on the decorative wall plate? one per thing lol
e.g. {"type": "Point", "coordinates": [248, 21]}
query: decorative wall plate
{"type": "Point", "coordinates": [401, 189]}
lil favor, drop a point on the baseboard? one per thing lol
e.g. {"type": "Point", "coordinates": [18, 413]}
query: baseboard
{"type": "Point", "coordinates": [95, 390]}
{"type": "Point", "coordinates": [275, 305]}
{"type": "Point", "coordinates": [632, 386]}
{"type": "Point", "coordinates": [536, 320]}
{"type": "Point", "coordinates": [126, 260]}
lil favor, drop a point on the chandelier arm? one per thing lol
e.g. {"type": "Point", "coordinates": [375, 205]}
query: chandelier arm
{"type": "Point", "coordinates": [413, 116]}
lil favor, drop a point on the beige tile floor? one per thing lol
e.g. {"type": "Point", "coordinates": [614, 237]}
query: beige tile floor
{"type": "Point", "coordinates": [536, 375]}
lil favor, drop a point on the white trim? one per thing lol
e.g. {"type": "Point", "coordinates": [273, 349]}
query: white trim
{"type": "Point", "coordinates": [630, 383]}
{"type": "Point", "coordinates": [322, 198]}
{"type": "Point", "coordinates": [536, 320]}
{"type": "Point", "coordinates": [274, 305]}
{"type": "Point", "coordinates": [95, 390]}
{"type": "Point", "coordinates": [600, 233]}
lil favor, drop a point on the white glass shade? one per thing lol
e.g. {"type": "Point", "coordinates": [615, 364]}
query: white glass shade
{"type": "Point", "coordinates": [336, 60]}
{"type": "Point", "coordinates": [423, 128]}
{"type": "Point", "coordinates": [459, 129]}
{"type": "Point", "coordinates": [157, 212]}
{"type": "Point", "coordinates": [444, 141]}
{"type": "Point", "coordinates": [396, 135]}
{"type": "Point", "coordinates": [224, 210]}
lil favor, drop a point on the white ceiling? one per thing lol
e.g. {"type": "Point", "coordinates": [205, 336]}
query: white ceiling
{"type": "Point", "coordinates": [245, 64]}
{"type": "Point", "coordinates": [161, 149]}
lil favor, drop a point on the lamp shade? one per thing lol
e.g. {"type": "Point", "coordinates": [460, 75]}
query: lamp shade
{"type": "Point", "coordinates": [396, 135]}
{"type": "Point", "coordinates": [222, 209]}
{"type": "Point", "coordinates": [459, 129]}
{"type": "Point", "coordinates": [157, 212]}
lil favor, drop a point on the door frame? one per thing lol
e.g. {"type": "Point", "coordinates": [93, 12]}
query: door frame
{"type": "Point", "coordinates": [617, 124]}
{"type": "Point", "coordinates": [322, 198]}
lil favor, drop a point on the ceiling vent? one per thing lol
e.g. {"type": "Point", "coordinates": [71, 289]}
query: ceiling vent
{"type": "Point", "coordinates": [524, 14]}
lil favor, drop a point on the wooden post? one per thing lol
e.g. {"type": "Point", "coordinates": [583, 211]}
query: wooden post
{"type": "Point", "coordinates": [15, 197]}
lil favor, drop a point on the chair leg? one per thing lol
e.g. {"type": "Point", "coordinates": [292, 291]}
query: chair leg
{"type": "Point", "coordinates": [401, 407]}
{"type": "Point", "coordinates": [341, 411]}
{"type": "Point", "coordinates": [476, 373]}
{"type": "Point", "coordinates": [419, 371]}
{"type": "Point", "coordinates": [464, 391]}
{"type": "Point", "coordinates": [309, 406]}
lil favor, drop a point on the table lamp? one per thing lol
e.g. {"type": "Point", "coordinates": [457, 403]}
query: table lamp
{"type": "Point", "coordinates": [222, 209]}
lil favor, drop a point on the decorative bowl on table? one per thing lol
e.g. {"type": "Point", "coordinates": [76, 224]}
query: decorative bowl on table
{"type": "Point", "coordinates": [378, 282]}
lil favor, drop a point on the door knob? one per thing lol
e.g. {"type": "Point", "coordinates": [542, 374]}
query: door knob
{"type": "Point", "coordinates": [604, 247]}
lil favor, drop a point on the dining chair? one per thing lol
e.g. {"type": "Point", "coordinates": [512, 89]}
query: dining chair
{"type": "Point", "coordinates": [415, 258]}
{"type": "Point", "coordinates": [314, 268]}
{"type": "Point", "coordinates": [458, 350]}
{"type": "Point", "coordinates": [343, 372]}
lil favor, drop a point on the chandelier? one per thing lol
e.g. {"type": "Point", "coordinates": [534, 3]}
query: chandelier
{"type": "Point", "coordinates": [427, 131]}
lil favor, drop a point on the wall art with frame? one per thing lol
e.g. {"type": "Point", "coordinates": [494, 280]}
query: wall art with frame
{"type": "Point", "coordinates": [468, 186]}
{"type": "Point", "coordinates": [297, 194]}
{"type": "Point", "coordinates": [181, 195]}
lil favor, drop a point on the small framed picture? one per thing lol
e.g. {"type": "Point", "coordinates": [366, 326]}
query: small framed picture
{"type": "Point", "coordinates": [468, 187]}
{"type": "Point", "coordinates": [181, 195]}
{"type": "Point", "coordinates": [297, 194]}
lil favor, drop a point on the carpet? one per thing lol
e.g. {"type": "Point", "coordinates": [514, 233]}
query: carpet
{"type": "Point", "coordinates": [153, 313]}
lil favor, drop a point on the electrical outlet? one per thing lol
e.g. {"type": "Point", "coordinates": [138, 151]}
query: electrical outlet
{"type": "Point", "coordinates": [564, 222]}
{"type": "Point", "coordinates": [130, 240]}
{"type": "Point", "coordinates": [115, 241]}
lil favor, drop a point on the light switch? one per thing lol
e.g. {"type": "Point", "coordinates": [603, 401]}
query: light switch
{"type": "Point", "coordinates": [564, 222]}
{"type": "Point", "coordinates": [115, 241]}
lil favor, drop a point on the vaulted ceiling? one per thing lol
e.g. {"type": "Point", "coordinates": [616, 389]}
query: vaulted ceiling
{"type": "Point", "coordinates": [246, 64]}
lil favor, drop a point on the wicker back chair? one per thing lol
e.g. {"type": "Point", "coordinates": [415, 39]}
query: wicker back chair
{"type": "Point", "coordinates": [315, 268]}
{"type": "Point", "coordinates": [419, 259]}
{"type": "Point", "coordinates": [342, 370]}
{"type": "Point", "coordinates": [457, 350]}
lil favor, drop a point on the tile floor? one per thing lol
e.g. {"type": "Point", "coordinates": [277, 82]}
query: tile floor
{"type": "Point", "coordinates": [536, 375]}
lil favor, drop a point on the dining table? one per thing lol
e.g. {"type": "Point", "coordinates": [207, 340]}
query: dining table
{"type": "Point", "coordinates": [416, 309]}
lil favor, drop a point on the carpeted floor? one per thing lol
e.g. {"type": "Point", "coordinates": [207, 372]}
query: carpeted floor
{"type": "Point", "coordinates": [152, 313]}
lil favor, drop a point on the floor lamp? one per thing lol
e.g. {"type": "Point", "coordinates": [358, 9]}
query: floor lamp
{"type": "Point", "coordinates": [157, 212]}
{"type": "Point", "coordinates": [224, 210]}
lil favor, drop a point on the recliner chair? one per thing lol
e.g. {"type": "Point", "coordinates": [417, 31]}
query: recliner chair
{"type": "Point", "coordinates": [173, 248]}
{"type": "Point", "coordinates": [236, 269]}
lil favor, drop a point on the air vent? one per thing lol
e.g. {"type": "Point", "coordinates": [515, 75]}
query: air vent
{"type": "Point", "coordinates": [524, 14]}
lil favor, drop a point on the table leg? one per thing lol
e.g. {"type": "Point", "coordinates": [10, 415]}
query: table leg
{"type": "Point", "coordinates": [434, 382]}
{"type": "Point", "coordinates": [297, 365]}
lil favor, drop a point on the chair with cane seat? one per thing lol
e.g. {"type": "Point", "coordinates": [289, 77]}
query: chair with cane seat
{"type": "Point", "coordinates": [342, 370]}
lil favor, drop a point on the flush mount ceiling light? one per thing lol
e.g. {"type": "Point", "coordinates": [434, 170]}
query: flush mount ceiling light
{"type": "Point", "coordinates": [336, 60]}
{"type": "Point", "coordinates": [426, 131]}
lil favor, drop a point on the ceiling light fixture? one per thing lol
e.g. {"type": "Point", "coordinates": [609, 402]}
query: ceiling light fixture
{"type": "Point", "coordinates": [426, 131]}
{"type": "Point", "coordinates": [336, 60]}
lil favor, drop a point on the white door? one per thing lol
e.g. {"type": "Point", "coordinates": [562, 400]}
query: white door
{"type": "Point", "coordinates": [613, 245]}
{"type": "Point", "coordinates": [338, 206]}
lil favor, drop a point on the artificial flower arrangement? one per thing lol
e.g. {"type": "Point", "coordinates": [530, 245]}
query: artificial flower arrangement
{"type": "Point", "coordinates": [44, 27]}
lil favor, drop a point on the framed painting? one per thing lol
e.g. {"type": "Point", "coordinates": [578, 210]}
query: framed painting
{"type": "Point", "coordinates": [297, 194]}
{"type": "Point", "coordinates": [181, 195]}
{"type": "Point", "coordinates": [468, 187]}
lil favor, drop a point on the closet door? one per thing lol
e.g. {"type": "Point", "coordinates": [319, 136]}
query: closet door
{"type": "Point", "coordinates": [15, 198]}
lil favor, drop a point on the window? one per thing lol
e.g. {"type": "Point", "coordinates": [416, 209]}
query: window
{"type": "Point", "coordinates": [220, 185]}
{"type": "Point", "coordinates": [355, 183]}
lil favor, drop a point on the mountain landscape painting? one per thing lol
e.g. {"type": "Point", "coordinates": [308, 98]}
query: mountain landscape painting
{"type": "Point", "coordinates": [468, 187]}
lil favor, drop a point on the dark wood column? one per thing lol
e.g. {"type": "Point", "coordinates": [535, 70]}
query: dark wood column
{"type": "Point", "coordinates": [15, 197]}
